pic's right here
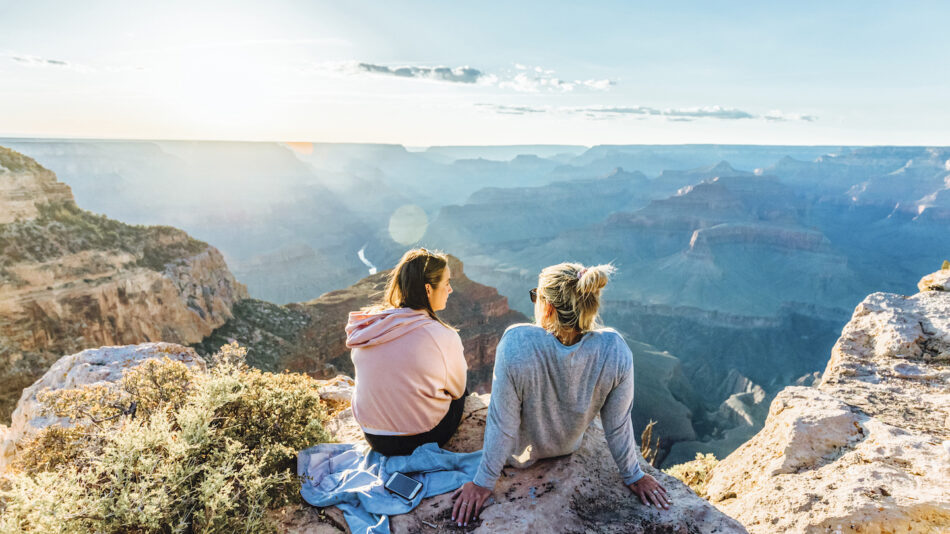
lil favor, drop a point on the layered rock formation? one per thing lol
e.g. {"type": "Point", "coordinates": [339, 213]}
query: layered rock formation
{"type": "Point", "coordinates": [71, 280]}
{"type": "Point", "coordinates": [309, 337]}
{"type": "Point", "coordinates": [581, 492]}
{"type": "Point", "coordinates": [26, 185]}
{"type": "Point", "coordinates": [736, 420]}
{"type": "Point", "coordinates": [868, 449]}
{"type": "Point", "coordinates": [104, 366]}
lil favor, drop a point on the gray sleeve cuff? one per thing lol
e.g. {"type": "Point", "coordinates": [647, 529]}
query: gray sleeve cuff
{"type": "Point", "coordinates": [482, 479]}
{"type": "Point", "coordinates": [633, 477]}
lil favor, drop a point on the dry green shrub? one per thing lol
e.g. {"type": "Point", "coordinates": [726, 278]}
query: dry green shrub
{"type": "Point", "coordinates": [207, 452]}
{"type": "Point", "coordinates": [55, 447]}
{"type": "Point", "coordinates": [95, 403]}
{"type": "Point", "coordinates": [695, 474]}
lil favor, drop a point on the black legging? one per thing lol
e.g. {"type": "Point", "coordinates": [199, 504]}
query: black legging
{"type": "Point", "coordinates": [402, 445]}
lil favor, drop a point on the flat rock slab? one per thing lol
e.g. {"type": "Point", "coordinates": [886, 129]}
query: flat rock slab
{"type": "Point", "coordinates": [580, 493]}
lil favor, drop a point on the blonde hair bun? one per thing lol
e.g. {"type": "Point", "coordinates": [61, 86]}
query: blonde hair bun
{"type": "Point", "coordinates": [574, 291]}
{"type": "Point", "coordinates": [593, 279]}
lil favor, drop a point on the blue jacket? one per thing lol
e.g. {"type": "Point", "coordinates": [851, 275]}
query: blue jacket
{"type": "Point", "coordinates": [341, 475]}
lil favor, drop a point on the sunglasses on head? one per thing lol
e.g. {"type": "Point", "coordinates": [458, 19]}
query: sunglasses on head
{"type": "Point", "coordinates": [533, 295]}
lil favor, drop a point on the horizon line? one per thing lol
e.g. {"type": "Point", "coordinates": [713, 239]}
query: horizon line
{"type": "Point", "coordinates": [417, 146]}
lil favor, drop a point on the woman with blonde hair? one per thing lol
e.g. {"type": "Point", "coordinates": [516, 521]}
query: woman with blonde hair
{"type": "Point", "coordinates": [551, 379]}
{"type": "Point", "coordinates": [410, 369]}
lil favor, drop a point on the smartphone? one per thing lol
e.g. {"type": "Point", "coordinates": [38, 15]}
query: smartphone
{"type": "Point", "coordinates": [403, 486]}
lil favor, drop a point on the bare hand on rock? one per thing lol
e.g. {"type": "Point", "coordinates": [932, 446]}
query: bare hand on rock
{"type": "Point", "coordinates": [651, 492]}
{"type": "Point", "coordinates": [469, 501]}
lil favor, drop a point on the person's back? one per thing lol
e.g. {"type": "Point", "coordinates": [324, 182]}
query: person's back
{"type": "Point", "coordinates": [559, 390]}
{"type": "Point", "coordinates": [409, 368]}
{"type": "Point", "coordinates": [551, 380]}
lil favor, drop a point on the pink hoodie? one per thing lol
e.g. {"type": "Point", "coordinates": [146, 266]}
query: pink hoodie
{"type": "Point", "coordinates": [409, 367]}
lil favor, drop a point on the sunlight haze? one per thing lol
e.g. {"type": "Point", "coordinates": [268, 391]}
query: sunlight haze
{"type": "Point", "coordinates": [422, 74]}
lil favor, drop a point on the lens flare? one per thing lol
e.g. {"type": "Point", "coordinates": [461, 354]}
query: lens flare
{"type": "Point", "coordinates": [408, 224]}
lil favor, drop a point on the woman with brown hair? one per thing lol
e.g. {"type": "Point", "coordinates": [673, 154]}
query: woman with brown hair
{"type": "Point", "coordinates": [410, 369]}
{"type": "Point", "coordinates": [551, 379]}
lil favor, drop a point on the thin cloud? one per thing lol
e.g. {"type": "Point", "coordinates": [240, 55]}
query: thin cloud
{"type": "Point", "coordinates": [524, 83]}
{"type": "Point", "coordinates": [536, 79]}
{"type": "Point", "coordinates": [641, 112]}
{"type": "Point", "coordinates": [524, 79]}
{"type": "Point", "coordinates": [715, 112]}
{"type": "Point", "coordinates": [616, 110]}
{"type": "Point", "coordinates": [513, 110]}
{"type": "Point", "coordinates": [600, 85]}
{"type": "Point", "coordinates": [464, 74]}
{"type": "Point", "coordinates": [36, 61]}
{"type": "Point", "coordinates": [671, 114]}
{"type": "Point", "coordinates": [777, 116]}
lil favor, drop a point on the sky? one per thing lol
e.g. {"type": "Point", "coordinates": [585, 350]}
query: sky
{"type": "Point", "coordinates": [486, 73]}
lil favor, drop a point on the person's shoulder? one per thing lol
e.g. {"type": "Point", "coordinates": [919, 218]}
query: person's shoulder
{"type": "Point", "coordinates": [605, 334]}
{"type": "Point", "coordinates": [522, 333]}
{"type": "Point", "coordinates": [610, 339]}
{"type": "Point", "coordinates": [441, 333]}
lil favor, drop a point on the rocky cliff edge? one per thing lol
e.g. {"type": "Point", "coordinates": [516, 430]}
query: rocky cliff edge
{"type": "Point", "coordinates": [72, 280]}
{"type": "Point", "coordinates": [866, 450]}
{"type": "Point", "coordinates": [579, 493]}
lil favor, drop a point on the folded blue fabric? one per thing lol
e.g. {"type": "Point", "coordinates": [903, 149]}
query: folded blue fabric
{"type": "Point", "coordinates": [339, 474]}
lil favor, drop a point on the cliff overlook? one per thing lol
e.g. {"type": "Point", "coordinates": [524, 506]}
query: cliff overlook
{"type": "Point", "coordinates": [868, 448]}
{"type": "Point", "coordinates": [71, 280]}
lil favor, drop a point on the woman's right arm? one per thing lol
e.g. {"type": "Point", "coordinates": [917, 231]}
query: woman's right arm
{"type": "Point", "coordinates": [618, 429]}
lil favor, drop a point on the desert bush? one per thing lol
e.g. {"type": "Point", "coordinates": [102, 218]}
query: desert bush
{"type": "Point", "coordinates": [201, 451]}
{"type": "Point", "coordinates": [695, 474]}
{"type": "Point", "coordinates": [945, 265]}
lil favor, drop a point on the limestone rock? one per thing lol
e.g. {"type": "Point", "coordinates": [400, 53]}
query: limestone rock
{"type": "Point", "coordinates": [938, 281]}
{"type": "Point", "coordinates": [337, 391]}
{"type": "Point", "coordinates": [577, 493]}
{"type": "Point", "coordinates": [868, 448]}
{"type": "Point", "coordinates": [24, 185]}
{"type": "Point", "coordinates": [104, 365]}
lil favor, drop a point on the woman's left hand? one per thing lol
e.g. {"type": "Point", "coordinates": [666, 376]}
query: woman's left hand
{"type": "Point", "coordinates": [469, 501]}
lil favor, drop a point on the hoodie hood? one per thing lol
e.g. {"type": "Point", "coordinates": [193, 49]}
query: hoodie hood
{"type": "Point", "coordinates": [369, 329]}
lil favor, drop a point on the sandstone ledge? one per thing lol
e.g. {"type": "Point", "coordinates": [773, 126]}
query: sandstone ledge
{"type": "Point", "coordinates": [868, 449]}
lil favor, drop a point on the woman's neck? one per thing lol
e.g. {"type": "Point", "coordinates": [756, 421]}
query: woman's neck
{"type": "Point", "coordinates": [568, 337]}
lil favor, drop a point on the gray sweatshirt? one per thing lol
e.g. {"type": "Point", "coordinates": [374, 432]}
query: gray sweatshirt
{"type": "Point", "coordinates": [545, 395]}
